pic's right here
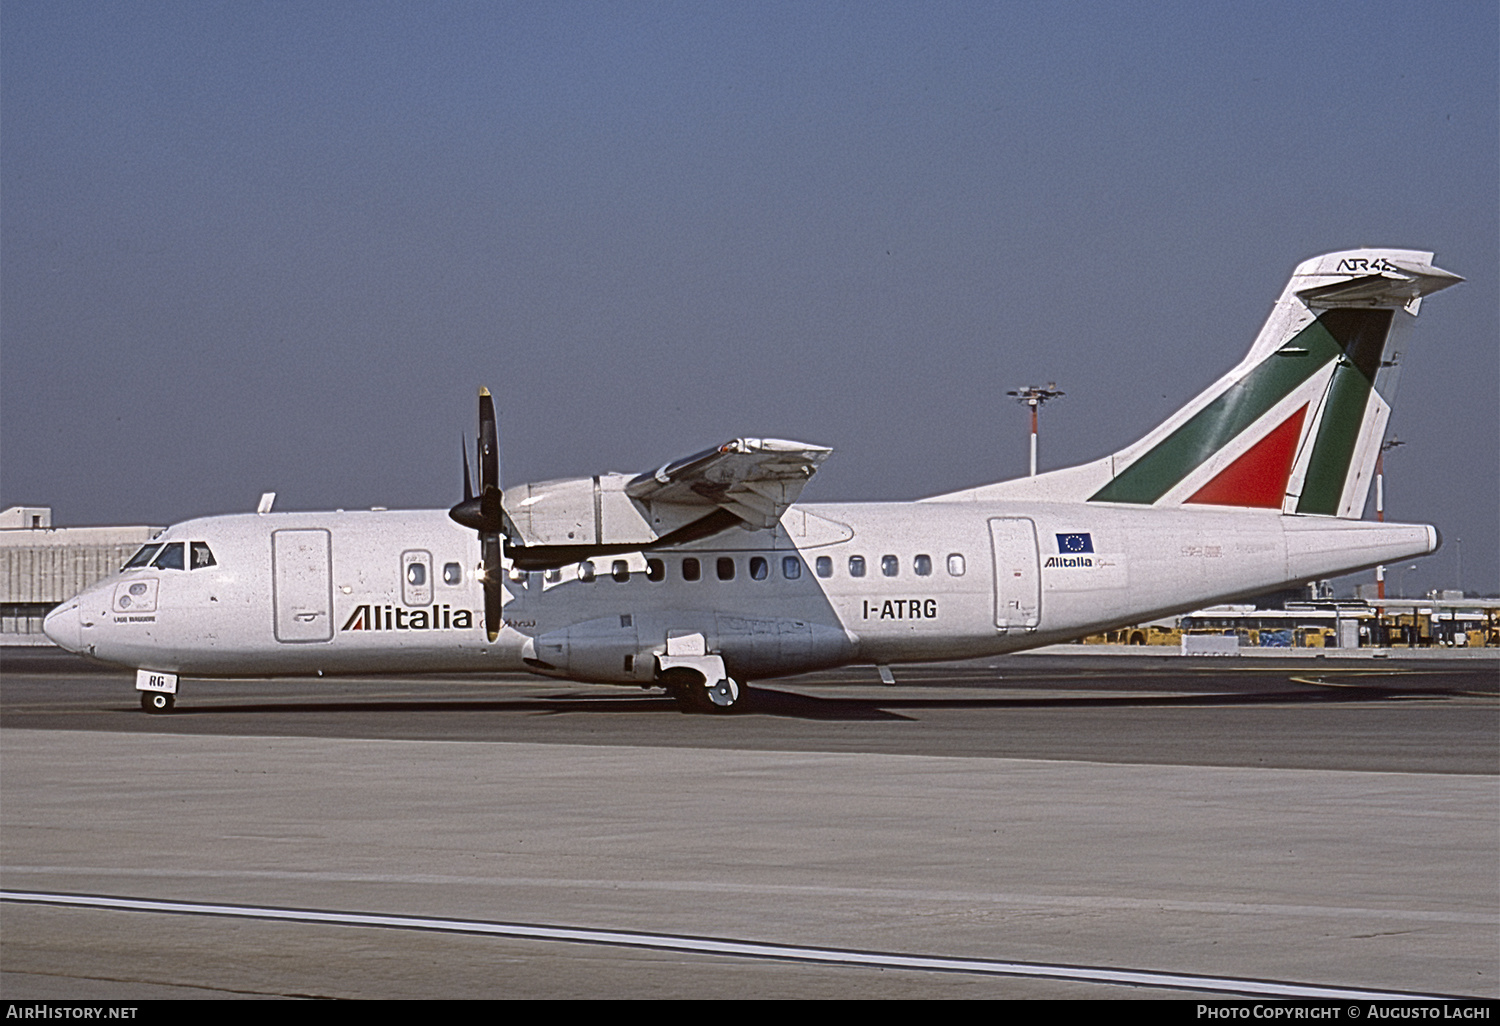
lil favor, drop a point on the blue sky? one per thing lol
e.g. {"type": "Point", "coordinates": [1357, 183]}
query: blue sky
{"type": "Point", "coordinates": [277, 246]}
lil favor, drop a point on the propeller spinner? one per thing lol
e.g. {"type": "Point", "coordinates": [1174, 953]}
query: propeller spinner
{"type": "Point", "coordinates": [485, 513]}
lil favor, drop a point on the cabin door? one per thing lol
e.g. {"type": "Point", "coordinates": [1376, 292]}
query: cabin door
{"type": "Point", "coordinates": [1018, 576]}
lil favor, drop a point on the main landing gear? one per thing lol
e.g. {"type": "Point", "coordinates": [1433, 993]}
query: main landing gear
{"type": "Point", "coordinates": [694, 694]}
{"type": "Point", "coordinates": [157, 701]}
{"type": "Point", "coordinates": [695, 677]}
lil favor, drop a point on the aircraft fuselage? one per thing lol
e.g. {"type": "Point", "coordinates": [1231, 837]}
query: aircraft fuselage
{"type": "Point", "coordinates": [831, 584]}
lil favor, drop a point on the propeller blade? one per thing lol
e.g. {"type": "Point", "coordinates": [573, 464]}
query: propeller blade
{"type": "Point", "coordinates": [494, 593]}
{"type": "Point", "coordinates": [484, 512]}
{"type": "Point", "coordinates": [468, 487]}
{"type": "Point", "coordinates": [491, 512]}
{"type": "Point", "coordinates": [489, 451]}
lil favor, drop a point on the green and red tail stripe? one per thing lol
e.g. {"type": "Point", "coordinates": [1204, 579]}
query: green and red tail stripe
{"type": "Point", "coordinates": [1354, 339]}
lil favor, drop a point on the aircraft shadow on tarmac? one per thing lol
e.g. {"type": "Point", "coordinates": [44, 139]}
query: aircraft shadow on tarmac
{"type": "Point", "coordinates": [1287, 685]}
{"type": "Point", "coordinates": [769, 701]}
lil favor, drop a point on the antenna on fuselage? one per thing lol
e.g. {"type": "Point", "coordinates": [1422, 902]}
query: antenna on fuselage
{"type": "Point", "coordinates": [267, 499]}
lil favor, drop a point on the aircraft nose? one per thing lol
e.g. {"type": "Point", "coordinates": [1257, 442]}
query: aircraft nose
{"type": "Point", "coordinates": [65, 627]}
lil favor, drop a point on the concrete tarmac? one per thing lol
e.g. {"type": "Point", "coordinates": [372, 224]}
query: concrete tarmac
{"type": "Point", "coordinates": [1286, 823]}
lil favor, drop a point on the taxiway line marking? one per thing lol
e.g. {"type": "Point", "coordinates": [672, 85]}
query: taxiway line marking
{"type": "Point", "coordinates": [726, 946]}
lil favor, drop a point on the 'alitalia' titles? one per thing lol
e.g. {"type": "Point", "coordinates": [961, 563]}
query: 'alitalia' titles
{"type": "Point", "coordinates": [369, 617]}
{"type": "Point", "coordinates": [1069, 561]}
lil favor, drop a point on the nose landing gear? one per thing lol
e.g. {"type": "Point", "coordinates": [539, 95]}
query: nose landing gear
{"type": "Point", "coordinates": [157, 701]}
{"type": "Point", "coordinates": [158, 690]}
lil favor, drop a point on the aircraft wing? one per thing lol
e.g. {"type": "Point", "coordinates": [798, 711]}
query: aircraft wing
{"type": "Point", "coordinates": [756, 479]}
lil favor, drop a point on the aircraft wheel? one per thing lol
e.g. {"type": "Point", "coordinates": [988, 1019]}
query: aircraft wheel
{"type": "Point", "coordinates": [157, 701]}
{"type": "Point", "coordinates": [724, 694]}
{"type": "Point", "coordinates": [693, 694]}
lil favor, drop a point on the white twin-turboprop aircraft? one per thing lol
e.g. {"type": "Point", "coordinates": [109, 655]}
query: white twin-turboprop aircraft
{"type": "Point", "coordinates": [702, 575]}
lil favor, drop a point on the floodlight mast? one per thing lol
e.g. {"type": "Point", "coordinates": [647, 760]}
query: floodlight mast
{"type": "Point", "coordinates": [1031, 395]}
{"type": "Point", "coordinates": [1390, 443]}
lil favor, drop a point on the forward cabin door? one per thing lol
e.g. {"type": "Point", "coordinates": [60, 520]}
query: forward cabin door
{"type": "Point", "coordinates": [1018, 575]}
{"type": "Point", "coordinates": [302, 584]}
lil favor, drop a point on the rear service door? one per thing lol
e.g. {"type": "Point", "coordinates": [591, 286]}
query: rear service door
{"type": "Point", "coordinates": [302, 584]}
{"type": "Point", "coordinates": [1018, 577]}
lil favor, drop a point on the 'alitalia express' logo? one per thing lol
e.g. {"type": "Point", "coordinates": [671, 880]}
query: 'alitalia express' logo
{"type": "Point", "coordinates": [396, 618]}
{"type": "Point", "coordinates": [1075, 549]}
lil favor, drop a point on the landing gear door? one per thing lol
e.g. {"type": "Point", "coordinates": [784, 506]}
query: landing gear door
{"type": "Point", "coordinates": [302, 584]}
{"type": "Point", "coordinates": [1018, 576]}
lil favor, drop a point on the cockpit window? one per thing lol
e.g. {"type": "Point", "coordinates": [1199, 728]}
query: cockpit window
{"type": "Point", "coordinates": [170, 558]}
{"type": "Point", "coordinates": [142, 557]}
{"type": "Point", "coordinates": [202, 556]}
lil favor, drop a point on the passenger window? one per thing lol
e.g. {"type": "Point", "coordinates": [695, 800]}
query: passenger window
{"type": "Point", "coordinates": [586, 571]}
{"type": "Point", "coordinates": [955, 565]}
{"type": "Point", "coordinates": [656, 570]}
{"type": "Point", "coordinates": [856, 566]}
{"type": "Point", "coordinates": [416, 574]}
{"type": "Point", "coordinates": [824, 565]}
{"type": "Point", "coordinates": [890, 566]}
{"type": "Point", "coordinates": [791, 567]}
{"type": "Point", "coordinates": [691, 571]}
{"type": "Point", "coordinates": [452, 573]}
{"type": "Point", "coordinates": [922, 566]}
{"type": "Point", "coordinates": [620, 571]}
{"type": "Point", "coordinates": [725, 567]}
{"type": "Point", "coordinates": [143, 556]}
{"type": "Point", "coordinates": [759, 568]}
{"type": "Point", "coordinates": [170, 558]}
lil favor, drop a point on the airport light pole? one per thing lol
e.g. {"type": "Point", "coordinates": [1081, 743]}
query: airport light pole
{"type": "Point", "coordinates": [1402, 582]}
{"type": "Point", "coordinates": [1389, 443]}
{"type": "Point", "coordinates": [1034, 397]}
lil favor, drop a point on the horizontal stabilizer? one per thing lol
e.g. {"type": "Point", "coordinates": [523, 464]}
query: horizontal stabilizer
{"type": "Point", "coordinates": [1393, 283]}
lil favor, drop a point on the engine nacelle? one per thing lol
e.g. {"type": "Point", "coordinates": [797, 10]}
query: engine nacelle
{"type": "Point", "coordinates": [592, 511]}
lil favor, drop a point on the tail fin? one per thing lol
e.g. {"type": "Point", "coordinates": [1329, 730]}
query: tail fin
{"type": "Point", "coordinates": [1297, 425]}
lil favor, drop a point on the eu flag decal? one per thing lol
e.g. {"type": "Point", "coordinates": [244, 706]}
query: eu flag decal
{"type": "Point", "coordinates": [1071, 543]}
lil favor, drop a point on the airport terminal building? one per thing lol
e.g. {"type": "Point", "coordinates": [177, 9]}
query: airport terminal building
{"type": "Point", "coordinates": [42, 565]}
